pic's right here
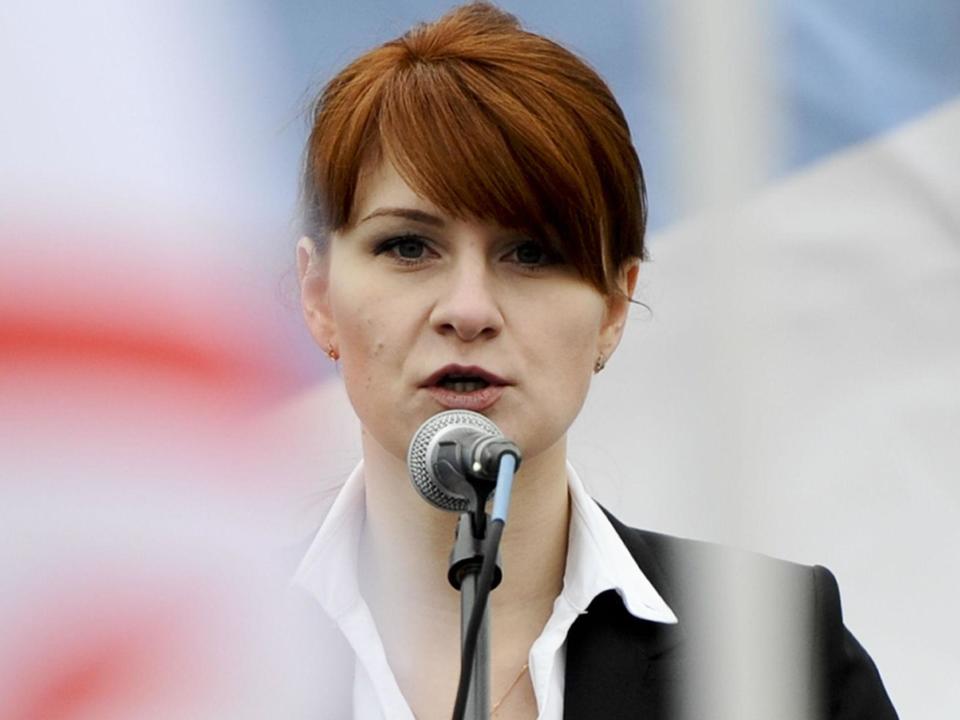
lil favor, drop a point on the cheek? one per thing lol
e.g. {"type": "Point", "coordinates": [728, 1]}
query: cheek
{"type": "Point", "coordinates": [573, 327]}
{"type": "Point", "coordinates": [561, 342]}
{"type": "Point", "coordinates": [362, 326]}
{"type": "Point", "coordinates": [373, 332]}
{"type": "Point", "coordinates": [558, 365]}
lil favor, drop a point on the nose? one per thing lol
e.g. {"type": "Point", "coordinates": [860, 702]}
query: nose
{"type": "Point", "coordinates": [467, 306]}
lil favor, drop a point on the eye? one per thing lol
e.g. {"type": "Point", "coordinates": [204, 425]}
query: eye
{"type": "Point", "coordinates": [533, 254]}
{"type": "Point", "coordinates": [407, 249]}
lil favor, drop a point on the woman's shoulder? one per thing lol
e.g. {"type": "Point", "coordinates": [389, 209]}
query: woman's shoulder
{"type": "Point", "coordinates": [769, 618]}
{"type": "Point", "coordinates": [678, 565]}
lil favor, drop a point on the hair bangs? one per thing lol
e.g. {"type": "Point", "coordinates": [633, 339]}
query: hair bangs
{"type": "Point", "coordinates": [486, 121]}
{"type": "Point", "coordinates": [474, 149]}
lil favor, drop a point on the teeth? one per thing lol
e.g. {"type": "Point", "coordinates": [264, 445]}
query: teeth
{"type": "Point", "coordinates": [463, 386]}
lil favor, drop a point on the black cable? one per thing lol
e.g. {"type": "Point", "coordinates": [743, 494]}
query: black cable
{"type": "Point", "coordinates": [484, 583]}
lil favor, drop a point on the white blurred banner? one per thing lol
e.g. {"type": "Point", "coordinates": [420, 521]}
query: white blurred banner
{"type": "Point", "coordinates": [794, 389]}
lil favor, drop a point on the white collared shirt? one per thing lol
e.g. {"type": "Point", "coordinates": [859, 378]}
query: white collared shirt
{"type": "Point", "coordinates": [597, 561]}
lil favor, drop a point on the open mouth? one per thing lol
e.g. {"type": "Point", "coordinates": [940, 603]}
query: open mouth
{"type": "Point", "coordinates": [465, 387]}
{"type": "Point", "coordinates": [462, 383]}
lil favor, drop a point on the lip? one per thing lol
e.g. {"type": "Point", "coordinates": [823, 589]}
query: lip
{"type": "Point", "coordinates": [476, 400]}
{"type": "Point", "coordinates": [473, 370]}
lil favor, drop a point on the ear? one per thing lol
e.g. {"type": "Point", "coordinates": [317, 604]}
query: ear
{"type": "Point", "coordinates": [618, 306]}
{"type": "Point", "coordinates": [313, 270]}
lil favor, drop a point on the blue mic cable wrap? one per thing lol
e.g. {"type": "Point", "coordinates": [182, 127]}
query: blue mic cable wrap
{"type": "Point", "coordinates": [501, 496]}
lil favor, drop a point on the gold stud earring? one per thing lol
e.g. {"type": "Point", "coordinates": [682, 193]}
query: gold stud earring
{"type": "Point", "coordinates": [600, 364]}
{"type": "Point", "coordinates": [332, 352]}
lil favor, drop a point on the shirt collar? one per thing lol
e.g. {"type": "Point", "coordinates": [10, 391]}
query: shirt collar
{"type": "Point", "coordinates": [329, 569]}
{"type": "Point", "coordinates": [597, 559]}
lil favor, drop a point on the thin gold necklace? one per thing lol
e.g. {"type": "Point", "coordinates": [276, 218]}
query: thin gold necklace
{"type": "Point", "coordinates": [493, 710]}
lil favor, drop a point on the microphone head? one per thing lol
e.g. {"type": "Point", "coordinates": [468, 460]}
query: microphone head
{"type": "Point", "coordinates": [422, 455]}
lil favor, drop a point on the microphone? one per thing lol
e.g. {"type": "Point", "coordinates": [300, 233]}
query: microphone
{"type": "Point", "coordinates": [454, 458]}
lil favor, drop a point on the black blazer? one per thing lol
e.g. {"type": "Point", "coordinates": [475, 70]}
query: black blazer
{"type": "Point", "coordinates": [620, 667]}
{"type": "Point", "coordinates": [796, 659]}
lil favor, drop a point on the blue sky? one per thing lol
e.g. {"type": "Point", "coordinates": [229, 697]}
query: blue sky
{"type": "Point", "coordinates": [844, 71]}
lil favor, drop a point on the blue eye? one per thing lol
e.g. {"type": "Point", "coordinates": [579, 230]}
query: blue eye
{"type": "Point", "coordinates": [529, 253]}
{"type": "Point", "coordinates": [533, 254]}
{"type": "Point", "coordinates": [409, 248]}
{"type": "Point", "coordinates": [405, 248]}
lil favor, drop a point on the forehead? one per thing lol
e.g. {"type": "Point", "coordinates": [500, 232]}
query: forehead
{"type": "Point", "coordinates": [380, 185]}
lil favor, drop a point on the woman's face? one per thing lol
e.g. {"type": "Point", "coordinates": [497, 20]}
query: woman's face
{"type": "Point", "coordinates": [430, 313]}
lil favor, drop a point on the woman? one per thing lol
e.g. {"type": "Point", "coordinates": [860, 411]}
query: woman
{"type": "Point", "coordinates": [475, 223]}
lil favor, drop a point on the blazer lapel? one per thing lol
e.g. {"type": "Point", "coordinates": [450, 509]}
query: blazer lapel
{"type": "Point", "coordinates": [619, 666]}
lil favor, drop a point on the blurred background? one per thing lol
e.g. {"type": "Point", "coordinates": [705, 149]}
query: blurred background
{"type": "Point", "coordinates": [794, 387]}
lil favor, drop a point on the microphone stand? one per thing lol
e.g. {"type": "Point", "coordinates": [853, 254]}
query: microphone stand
{"type": "Point", "coordinates": [460, 458]}
{"type": "Point", "coordinates": [465, 561]}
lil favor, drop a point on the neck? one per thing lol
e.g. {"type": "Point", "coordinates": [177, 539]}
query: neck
{"type": "Point", "coordinates": [407, 542]}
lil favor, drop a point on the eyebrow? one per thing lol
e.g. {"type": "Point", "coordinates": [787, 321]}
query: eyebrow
{"type": "Point", "coordinates": [407, 213]}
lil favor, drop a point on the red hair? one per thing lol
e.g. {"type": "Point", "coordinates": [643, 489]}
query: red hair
{"type": "Point", "coordinates": [488, 121]}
